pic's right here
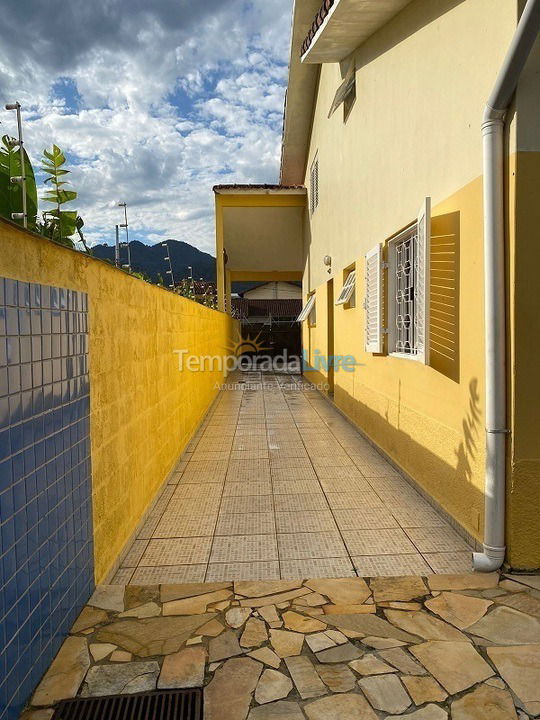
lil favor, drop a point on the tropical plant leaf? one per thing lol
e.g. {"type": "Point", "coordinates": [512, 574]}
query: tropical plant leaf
{"type": "Point", "coordinates": [59, 224]}
{"type": "Point", "coordinates": [65, 196]}
{"type": "Point", "coordinates": [5, 195]}
{"type": "Point", "coordinates": [56, 157]}
{"type": "Point", "coordinates": [68, 223]}
{"type": "Point", "coordinates": [11, 198]}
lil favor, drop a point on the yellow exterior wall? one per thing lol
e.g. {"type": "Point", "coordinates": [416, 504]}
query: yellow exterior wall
{"type": "Point", "coordinates": [414, 131]}
{"type": "Point", "coordinates": [429, 419]}
{"type": "Point", "coordinates": [143, 409]}
{"type": "Point", "coordinates": [523, 485]}
{"type": "Point", "coordinates": [315, 338]}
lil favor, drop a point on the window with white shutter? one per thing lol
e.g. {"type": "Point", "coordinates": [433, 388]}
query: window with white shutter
{"type": "Point", "coordinates": [346, 92]}
{"type": "Point", "coordinates": [307, 310]}
{"type": "Point", "coordinates": [421, 268]}
{"type": "Point", "coordinates": [373, 302]}
{"type": "Point", "coordinates": [347, 292]}
{"type": "Point", "coordinates": [314, 185]}
{"type": "Point", "coordinates": [408, 288]}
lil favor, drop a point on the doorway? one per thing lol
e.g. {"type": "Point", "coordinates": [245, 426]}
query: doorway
{"type": "Point", "coordinates": [330, 335]}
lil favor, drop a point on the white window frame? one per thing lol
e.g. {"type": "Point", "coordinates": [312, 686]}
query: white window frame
{"type": "Point", "coordinates": [419, 233]}
{"type": "Point", "coordinates": [348, 289]}
{"type": "Point", "coordinates": [308, 308]}
{"type": "Point", "coordinates": [314, 184]}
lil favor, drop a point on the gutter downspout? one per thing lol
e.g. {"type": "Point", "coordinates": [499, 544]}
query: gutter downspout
{"type": "Point", "coordinates": [494, 287]}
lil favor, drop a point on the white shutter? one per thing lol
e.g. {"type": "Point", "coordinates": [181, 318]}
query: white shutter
{"type": "Point", "coordinates": [345, 89]}
{"type": "Point", "coordinates": [422, 282]}
{"type": "Point", "coordinates": [373, 303]}
{"type": "Point", "coordinates": [348, 289]}
{"type": "Point", "coordinates": [308, 307]}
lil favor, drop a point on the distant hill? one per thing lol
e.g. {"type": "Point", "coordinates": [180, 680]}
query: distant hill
{"type": "Point", "coordinates": [151, 259]}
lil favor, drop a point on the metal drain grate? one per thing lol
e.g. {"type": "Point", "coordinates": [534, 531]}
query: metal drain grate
{"type": "Point", "coordinates": [161, 705]}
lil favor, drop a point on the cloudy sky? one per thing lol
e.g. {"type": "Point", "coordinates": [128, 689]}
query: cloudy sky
{"type": "Point", "coordinates": [153, 101]}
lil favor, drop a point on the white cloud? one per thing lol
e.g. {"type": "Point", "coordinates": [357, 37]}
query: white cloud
{"type": "Point", "coordinates": [153, 102]}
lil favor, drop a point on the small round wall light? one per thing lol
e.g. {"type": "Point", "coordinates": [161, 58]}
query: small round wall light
{"type": "Point", "coordinates": [327, 260]}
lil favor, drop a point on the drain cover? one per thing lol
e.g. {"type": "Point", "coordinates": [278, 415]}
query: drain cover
{"type": "Point", "coordinates": [162, 705]}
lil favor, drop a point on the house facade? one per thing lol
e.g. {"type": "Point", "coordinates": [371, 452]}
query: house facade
{"type": "Point", "coordinates": [382, 126]}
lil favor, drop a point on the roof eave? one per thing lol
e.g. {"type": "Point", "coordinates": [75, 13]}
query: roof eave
{"type": "Point", "coordinates": [341, 26]}
{"type": "Point", "coordinates": [369, 16]}
{"type": "Point", "coordinates": [299, 100]}
{"type": "Point", "coordinates": [259, 189]}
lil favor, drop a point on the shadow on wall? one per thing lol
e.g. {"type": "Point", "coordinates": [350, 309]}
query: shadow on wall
{"type": "Point", "coordinates": [449, 484]}
{"type": "Point", "coordinates": [444, 295]}
{"type": "Point", "coordinates": [406, 24]}
{"type": "Point", "coordinates": [467, 450]}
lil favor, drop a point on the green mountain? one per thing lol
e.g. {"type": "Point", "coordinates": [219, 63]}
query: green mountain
{"type": "Point", "coordinates": [150, 259]}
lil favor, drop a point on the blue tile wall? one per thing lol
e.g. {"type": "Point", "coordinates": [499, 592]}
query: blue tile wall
{"type": "Point", "coordinates": [46, 553]}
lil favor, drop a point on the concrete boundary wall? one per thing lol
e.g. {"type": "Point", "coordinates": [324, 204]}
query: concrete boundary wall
{"type": "Point", "coordinates": [143, 409]}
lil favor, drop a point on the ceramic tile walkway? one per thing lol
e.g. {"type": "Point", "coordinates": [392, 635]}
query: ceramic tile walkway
{"type": "Point", "coordinates": [277, 484]}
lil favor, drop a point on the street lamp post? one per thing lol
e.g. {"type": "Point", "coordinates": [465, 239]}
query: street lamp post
{"type": "Point", "coordinates": [20, 179]}
{"type": "Point", "coordinates": [117, 247]}
{"type": "Point", "coordinates": [165, 244]}
{"type": "Point", "coordinates": [125, 225]}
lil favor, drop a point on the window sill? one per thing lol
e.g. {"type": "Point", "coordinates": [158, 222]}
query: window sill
{"type": "Point", "coordinates": [404, 356]}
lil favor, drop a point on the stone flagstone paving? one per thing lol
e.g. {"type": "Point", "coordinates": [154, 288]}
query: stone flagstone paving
{"type": "Point", "coordinates": [278, 484]}
{"type": "Point", "coordinates": [455, 647]}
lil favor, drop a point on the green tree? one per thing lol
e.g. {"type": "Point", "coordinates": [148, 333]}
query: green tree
{"type": "Point", "coordinates": [11, 193]}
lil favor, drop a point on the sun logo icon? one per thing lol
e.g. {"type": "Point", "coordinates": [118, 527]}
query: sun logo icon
{"type": "Point", "coordinates": [246, 344]}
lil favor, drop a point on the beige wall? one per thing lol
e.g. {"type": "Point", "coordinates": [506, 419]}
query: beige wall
{"type": "Point", "coordinates": [275, 290]}
{"type": "Point", "coordinates": [527, 102]}
{"type": "Point", "coordinates": [263, 238]}
{"type": "Point", "coordinates": [414, 130]}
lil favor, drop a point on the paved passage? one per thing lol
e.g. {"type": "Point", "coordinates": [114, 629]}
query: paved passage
{"type": "Point", "coordinates": [278, 484]}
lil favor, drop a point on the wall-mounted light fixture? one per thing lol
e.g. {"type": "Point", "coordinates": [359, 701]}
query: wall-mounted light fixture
{"type": "Point", "coordinates": [327, 260]}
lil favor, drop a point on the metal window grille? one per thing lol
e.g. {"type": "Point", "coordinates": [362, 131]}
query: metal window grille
{"type": "Point", "coordinates": [348, 289]}
{"type": "Point", "coordinates": [314, 185]}
{"type": "Point", "coordinates": [406, 291]}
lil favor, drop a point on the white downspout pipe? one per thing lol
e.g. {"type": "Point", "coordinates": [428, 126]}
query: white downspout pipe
{"type": "Point", "coordinates": [494, 287]}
